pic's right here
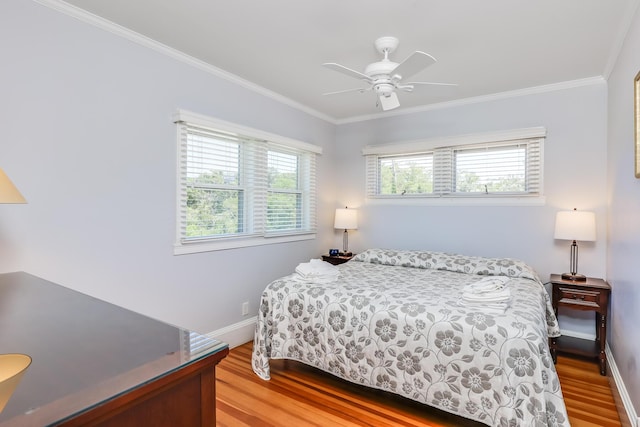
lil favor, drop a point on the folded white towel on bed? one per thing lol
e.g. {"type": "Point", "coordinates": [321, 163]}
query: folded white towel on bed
{"type": "Point", "coordinates": [318, 271]}
{"type": "Point", "coordinates": [493, 307]}
{"type": "Point", "coordinates": [489, 293]}
{"type": "Point", "coordinates": [487, 284]}
{"type": "Point", "coordinates": [496, 296]}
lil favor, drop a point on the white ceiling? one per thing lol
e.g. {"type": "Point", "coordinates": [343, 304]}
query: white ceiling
{"type": "Point", "coordinates": [485, 46]}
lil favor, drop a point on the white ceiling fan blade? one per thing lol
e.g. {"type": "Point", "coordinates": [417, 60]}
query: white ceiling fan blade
{"type": "Point", "coordinates": [430, 83]}
{"type": "Point", "coordinates": [389, 102]}
{"type": "Point", "coordinates": [435, 87]}
{"type": "Point", "coordinates": [360, 89]}
{"type": "Point", "coordinates": [348, 71]}
{"type": "Point", "coordinates": [417, 61]}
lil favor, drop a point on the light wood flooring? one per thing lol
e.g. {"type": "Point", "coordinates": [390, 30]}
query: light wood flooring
{"type": "Point", "coordinates": [298, 395]}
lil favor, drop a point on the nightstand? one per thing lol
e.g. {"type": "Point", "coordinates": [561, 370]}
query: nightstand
{"type": "Point", "coordinates": [590, 295]}
{"type": "Point", "coordinates": [338, 259]}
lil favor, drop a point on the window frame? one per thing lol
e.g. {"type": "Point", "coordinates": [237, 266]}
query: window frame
{"type": "Point", "coordinates": [255, 233]}
{"type": "Point", "coordinates": [533, 138]}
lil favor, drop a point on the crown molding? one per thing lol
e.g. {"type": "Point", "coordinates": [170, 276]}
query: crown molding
{"type": "Point", "coordinates": [478, 99]}
{"type": "Point", "coordinates": [621, 37]}
{"type": "Point", "coordinates": [112, 27]}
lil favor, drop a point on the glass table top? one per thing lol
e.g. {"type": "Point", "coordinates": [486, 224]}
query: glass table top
{"type": "Point", "coordinates": [84, 351]}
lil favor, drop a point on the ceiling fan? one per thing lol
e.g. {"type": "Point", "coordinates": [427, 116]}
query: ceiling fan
{"type": "Point", "coordinates": [385, 77]}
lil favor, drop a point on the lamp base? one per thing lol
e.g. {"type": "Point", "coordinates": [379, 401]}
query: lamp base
{"type": "Point", "coordinates": [574, 277]}
{"type": "Point", "coordinates": [346, 254]}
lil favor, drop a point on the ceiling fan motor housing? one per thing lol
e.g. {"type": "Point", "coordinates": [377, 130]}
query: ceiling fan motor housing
{"type": "Point", "coordinates": [379, 72]}
{"type": "Point", "coordinates": [384, 89]}
{"type": "Point", "coordinates": [382, 68]}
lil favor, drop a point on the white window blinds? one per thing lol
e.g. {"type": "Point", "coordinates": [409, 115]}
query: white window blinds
{"type": "Point", "coordinates": [289, 187]}
{"type": "Point", "coordinates": [465, 167]}
{"type": "Point", "coordinates": [240, 185]}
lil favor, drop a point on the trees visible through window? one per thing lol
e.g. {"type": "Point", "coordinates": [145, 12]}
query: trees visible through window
{"type": "Point", "coordinates": [491, 169]}
{"type": "Point", "coordinates": [215, 198]}
{"type": "Point", "coordinates": [284, 199]}
{"type": "Point", "coordinates": [510, 167]}
{"type": "Point", "coordinates": [242, 186]}
{"type": "Point", "coordinates": [411, 174]}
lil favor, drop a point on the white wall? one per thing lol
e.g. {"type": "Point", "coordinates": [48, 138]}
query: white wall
{"type": "Point", "coordinates": [575, 176]}
{"type": "Point", "coordinates": [623, 267]}
{"type": "Point", "coordinates": [86, 136]}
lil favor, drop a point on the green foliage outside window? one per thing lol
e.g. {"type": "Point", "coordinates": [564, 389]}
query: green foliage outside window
{"type": "Point", "coordinates": [283, 211]}
{"type": "Point", "coordinates": [284, 207]}
{"type": "Point", "coordinates": [213, 211]}
{"type": "Point", "coordinates": [491, 170]}
{"type": "Point", "coordinates": [498, 170]}
{"type": "Point", "coordinates": [470, 182]}
{"type": "Point", "coordinates": [405, 176]}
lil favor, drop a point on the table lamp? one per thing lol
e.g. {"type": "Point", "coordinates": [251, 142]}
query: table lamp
{"type": "Point", "coordinates": [346, 219]}
{"type": "Point", "coordinates": [575, 225]}
{"type": "Point", "coordinates": [12, 367]}
{"type": "Point", "coordinates": [8, 192]}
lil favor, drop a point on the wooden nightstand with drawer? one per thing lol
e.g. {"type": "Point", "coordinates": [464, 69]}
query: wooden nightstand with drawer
{"type": "Point", "coordinates": [590, 295]}
{"type": "Point", "coordinates": [338, 259]}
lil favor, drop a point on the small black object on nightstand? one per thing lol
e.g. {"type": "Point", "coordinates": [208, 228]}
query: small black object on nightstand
{"type": "Point", "coordinates": [339, 259]}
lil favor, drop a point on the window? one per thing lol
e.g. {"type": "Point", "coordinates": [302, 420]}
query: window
{"type": "Point", "coordinates": [284, 196]}
{"type": "Point", "coordinates": [504, 164]}
{"type": "Point", "coordinates": [241, 187]}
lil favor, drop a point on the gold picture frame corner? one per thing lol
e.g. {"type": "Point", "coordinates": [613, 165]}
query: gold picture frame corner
{"type": "Point", "coordinates": [636, 123]}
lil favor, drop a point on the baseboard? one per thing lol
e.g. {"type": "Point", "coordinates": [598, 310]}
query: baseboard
{"type": "Point", "coordinates": [236, 334]}
{"type": "Point", "coordinates": [620, 394]}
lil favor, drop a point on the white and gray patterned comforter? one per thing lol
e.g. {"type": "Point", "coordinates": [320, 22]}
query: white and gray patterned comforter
{"type": "Point", "coordinates": [391, 321]}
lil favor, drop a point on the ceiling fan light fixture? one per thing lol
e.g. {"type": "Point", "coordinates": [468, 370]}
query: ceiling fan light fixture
{"type": "Point", "coordinates": [389, 101]}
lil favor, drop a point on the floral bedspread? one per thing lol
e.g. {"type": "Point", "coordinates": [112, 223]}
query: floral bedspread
{"type": "Point", "coordinates": [391, 321]}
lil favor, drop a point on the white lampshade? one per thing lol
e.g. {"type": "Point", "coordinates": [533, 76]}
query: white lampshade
{"type": "Point", "coordinates": [8, 192]}
{"type": "Point", "coordinates": [12, 367]}
{"type": "Point", "coordinates": [575, 225]}
{"type": "Point", "coordinates": [346, 219]}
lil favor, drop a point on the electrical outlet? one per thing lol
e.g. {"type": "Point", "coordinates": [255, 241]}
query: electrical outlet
{"type": "Point", "coordinates": [245, 308]}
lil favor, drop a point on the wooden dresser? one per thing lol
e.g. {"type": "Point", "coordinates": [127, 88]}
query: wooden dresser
{"type": "Point", "coordinates": [94, 363]}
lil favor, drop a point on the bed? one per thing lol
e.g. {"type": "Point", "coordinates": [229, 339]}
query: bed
{"type": "Point", "coordinates": [392, 320]}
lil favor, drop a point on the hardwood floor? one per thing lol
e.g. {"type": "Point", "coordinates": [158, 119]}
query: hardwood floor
{"type": "Point", "coordinates": [298, 395]}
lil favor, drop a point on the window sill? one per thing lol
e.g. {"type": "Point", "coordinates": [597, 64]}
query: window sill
{"type": "Point", "coordinates": [459, 201]}
{"type": "Point", "coordinates": [220, 245]}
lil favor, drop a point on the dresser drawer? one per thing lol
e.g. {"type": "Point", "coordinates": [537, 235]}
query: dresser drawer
{"type": "Point", "coordinates": [579, 297]}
